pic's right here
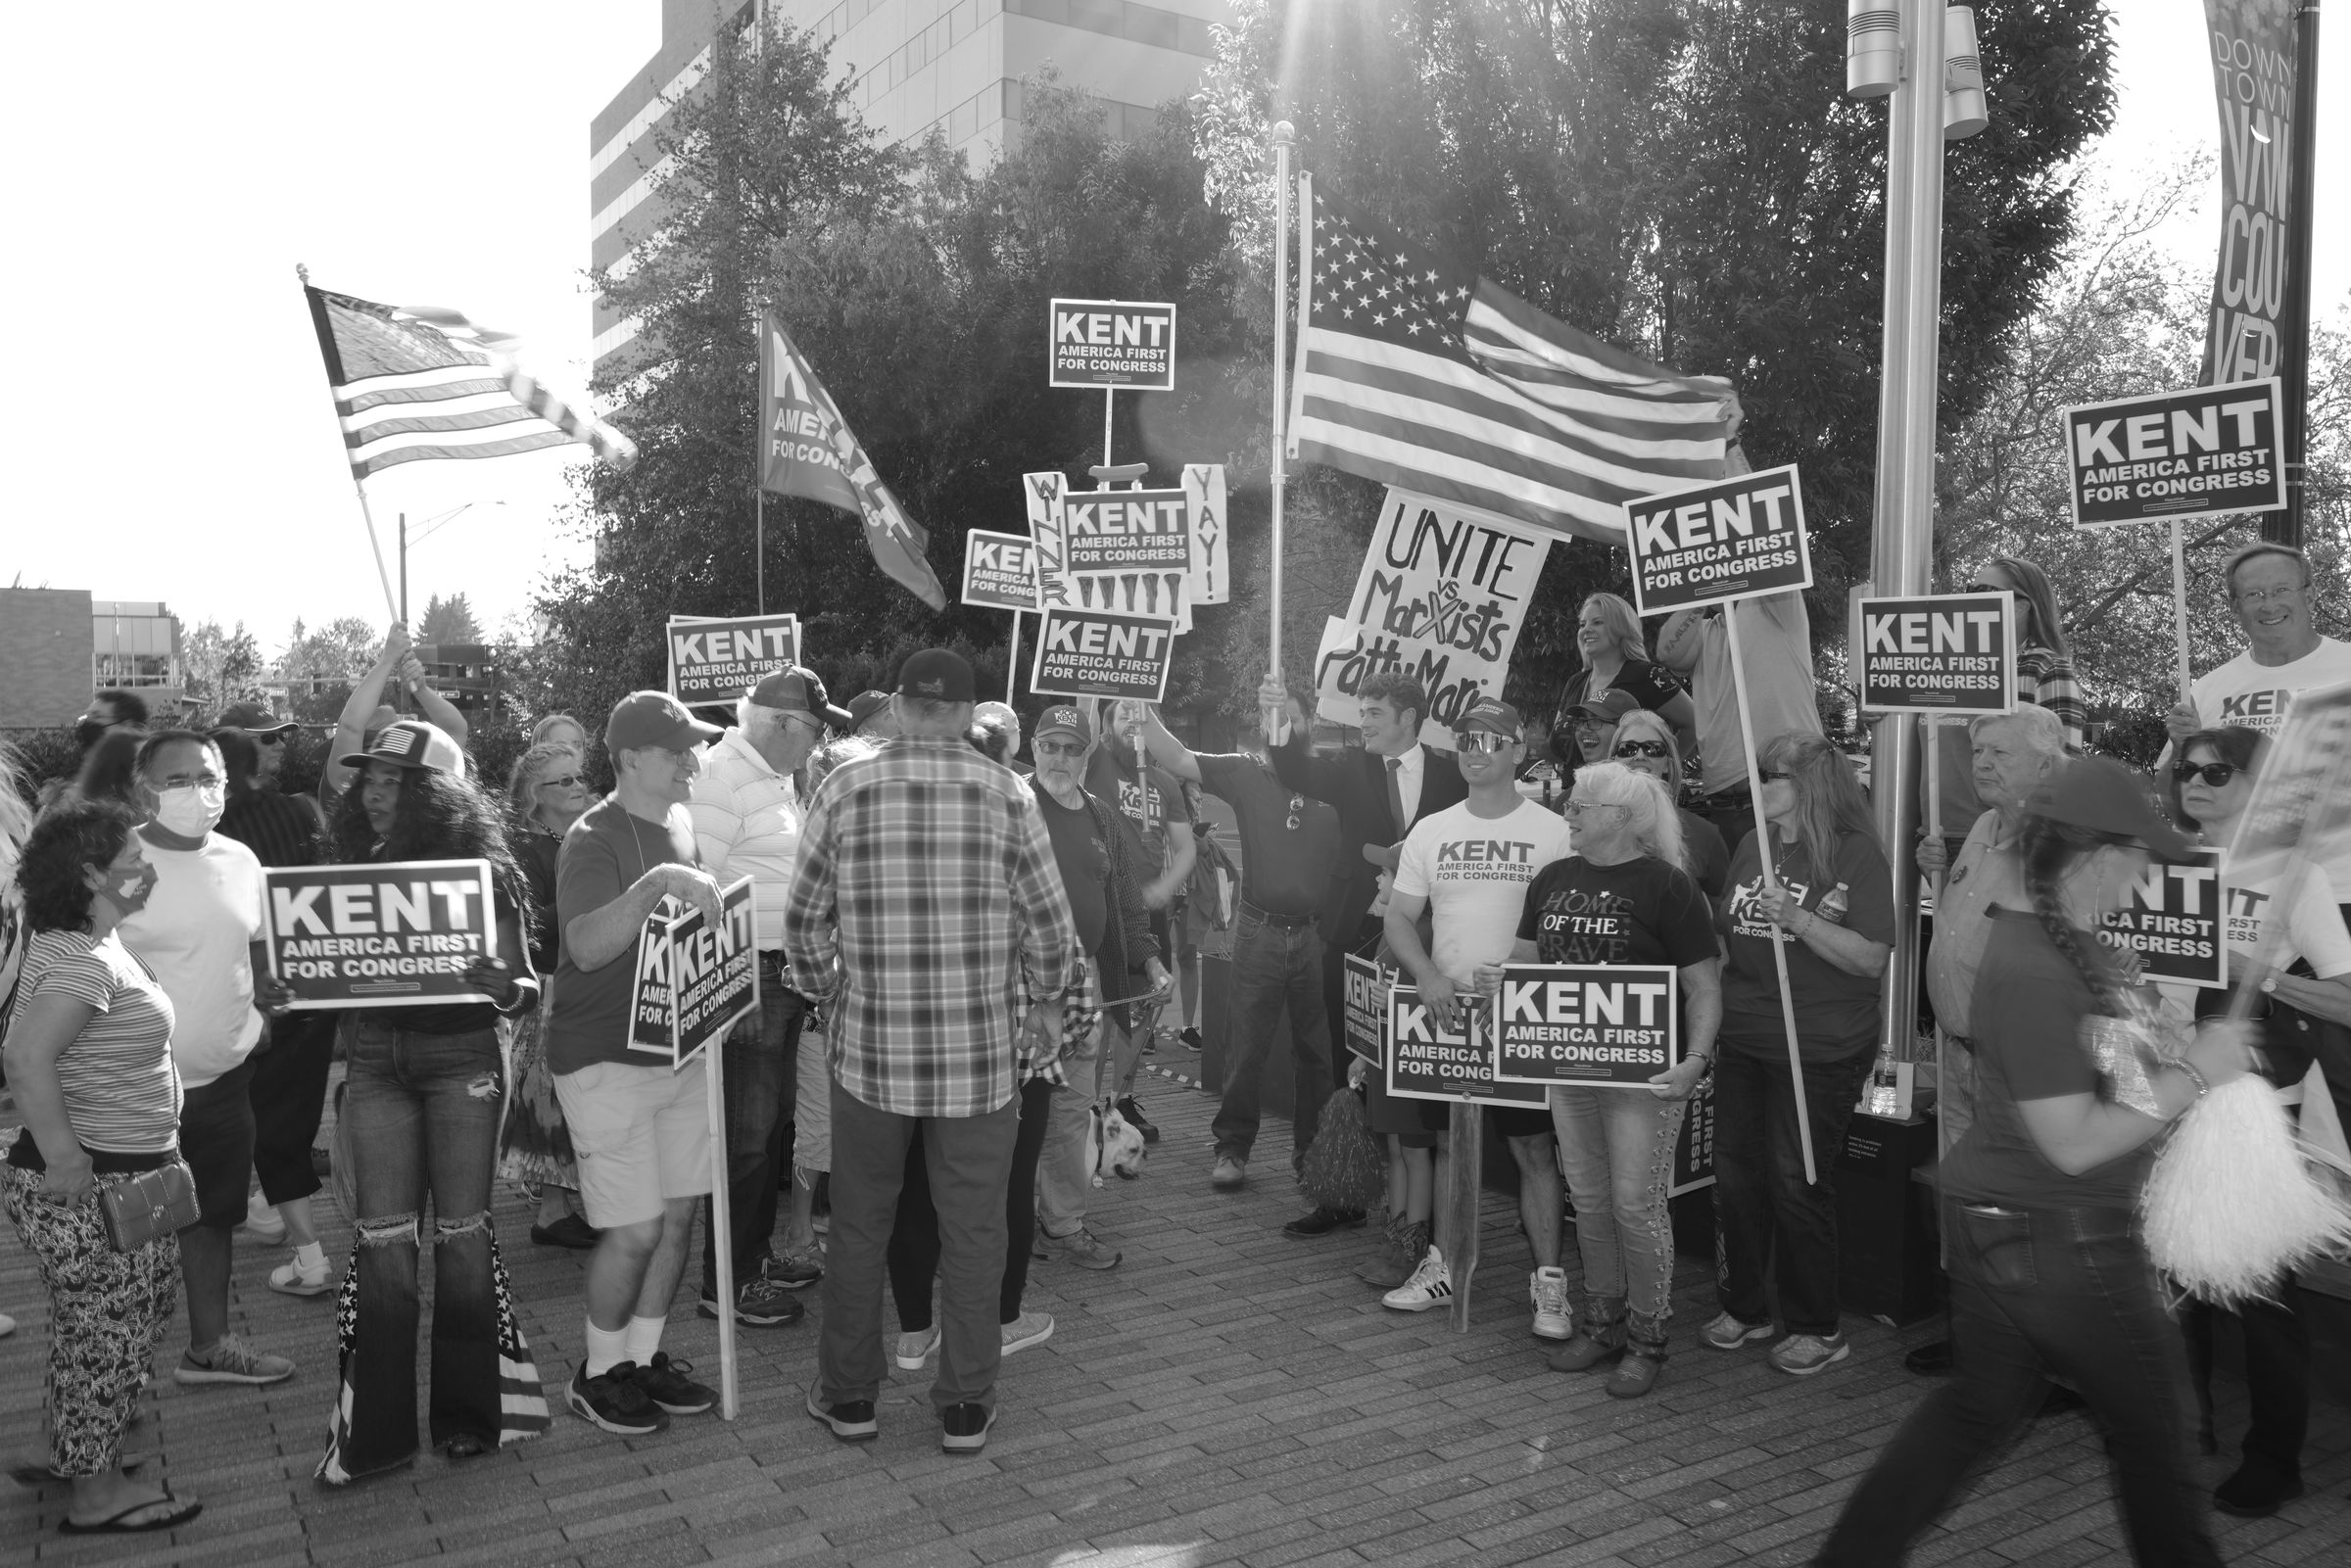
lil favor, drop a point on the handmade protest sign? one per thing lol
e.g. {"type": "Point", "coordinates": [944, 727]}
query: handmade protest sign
{"type": "Point", "coordinates": [1094, 653]}
{"type": "Point", "coordinates": [717, 659]}
{"type": "Point", "coordinates": [1118, 549]}
{"type": "Point", "coordinates": [2208, 452]}
{"type": "Point", "coordinates": [1936, 654]}
{"type": "Point", "coordinates": [2172, 920]}
{"type": "Point", "coordinates": [1603, 1026]}
{"type": "Point", "coordinates": [1212, 564]}
{"type": "Point", "coordinates": [1112, 343]}
{"type": "Point", "coordinates": [713, 970]}
{"type": "Point", "coordinates": [1728, 539]}
{"type": "Point", "coordinates": [1366, 987]}
{"type": "Point", "coordinates": [1427, 1061]}
{"type": "Point", "coordinates": [397, 935]}
{"type": "Point", "coordinates": [999, 571]}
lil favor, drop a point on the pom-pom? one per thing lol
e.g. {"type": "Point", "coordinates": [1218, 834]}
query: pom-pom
{"type": "Point", "coordinates": [1347, 1164]}
{"type": "Point", "coordinates": [2233, 1204]}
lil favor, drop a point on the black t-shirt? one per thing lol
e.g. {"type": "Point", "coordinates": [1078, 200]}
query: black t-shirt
{"type": "Point", "coordinates": [1085, 862]}
{"type": "Point", "coordinates": [1638, 912]}
{"type": "Point", "coordinates": [1652, 686]}
{"type": "Point", "coordinates": [1290, 846]}
{"type": "Point", "coordinates": [1837, 1012]}
{"type": "Point", "coordinates": [1710, 858]}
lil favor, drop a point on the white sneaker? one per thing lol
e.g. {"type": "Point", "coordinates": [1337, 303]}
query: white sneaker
{"type": "Point", "coordinates": [1432, 1285]}
{"type": "Point", "coordinates": [262, 1222]}
{"type": "Point", "coordinates": [289, 1278]}
{"type": "Point", "coordinates": [1548, 1289]}
{"type": "Point", "coordinates": [1029, 1328]}
{"type": "Point", "coordinates": [914, 1348]}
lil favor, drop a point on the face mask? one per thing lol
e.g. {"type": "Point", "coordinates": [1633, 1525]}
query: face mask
{"type": "Point", "coordinates": [190, 810]}
{"type": "Point", "coordinates": [87, 733]}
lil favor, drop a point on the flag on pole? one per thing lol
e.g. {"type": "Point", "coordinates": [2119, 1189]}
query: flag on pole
{"type": "Point", "coordinates": [1418, 374]}
{"type": "Point", "coordinates": [807, 449]}
{"type": "Point", "coordinates": [423, 382]}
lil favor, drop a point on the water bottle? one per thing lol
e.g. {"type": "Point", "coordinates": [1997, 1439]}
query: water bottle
{"type": "Point", "coordinates": [1832, 905]}
{"type": "Point", "coordinates": [1883, 1098]}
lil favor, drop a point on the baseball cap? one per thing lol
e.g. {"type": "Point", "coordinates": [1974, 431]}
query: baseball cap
{"type": "Point", "coordinates": [1608, 707]}
{"type": "Point", "coordinates": [864, 705]}
{"type": "Point", "coordinates": [253, 718]}
{"type": "Point", "coordinates": [939, 674]}
{"type": "Point", "coordinates": [654, 719]}
{"type": "Point", "coordinates": [1063, 719]}
{"type": "Point", "coordinates": [2103, 795]}
{"type": "Point", "coordinates": [795, 689]}
{"type": "Point", "coordinates": [410, 744]}
{"type": "Point", "coordinates": [1495, 717]}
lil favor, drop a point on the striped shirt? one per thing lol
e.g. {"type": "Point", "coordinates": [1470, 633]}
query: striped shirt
{"type": "Point", "coordinates": [122, 1091]}
{"type": "Point", "coordinates": [925, 912]}
{"type": "Point", "coordinates": [2045, 676]}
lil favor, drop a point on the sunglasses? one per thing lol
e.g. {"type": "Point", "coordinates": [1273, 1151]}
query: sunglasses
{"type": "Point", "coordinates": [1297, 808]}
{"type": "Point", "coordinates": [1984, 588]}
{"type": "Point", "coordinates": [274, 737]}
{"type": "Point", "coordinates": [1485, 741]}
{"type": "Point", "coordinates": [564, 782]}
{"type": "Point", "coordinates": [1770, 776]}
{"type": "Point", "coordinates": [2215, 773]}
{"type": "Point", "coordinates": [1640, 748]}
{"type": "Point", "coordinates": [1059, 748]}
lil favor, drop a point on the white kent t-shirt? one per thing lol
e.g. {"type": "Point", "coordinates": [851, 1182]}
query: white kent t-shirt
{"type": "Point", "coordinates": [194, 933]}
{"type": "Point", "coordinates": [2256, 696]}
{"type": "Point", "coordinates": [1473, 871]}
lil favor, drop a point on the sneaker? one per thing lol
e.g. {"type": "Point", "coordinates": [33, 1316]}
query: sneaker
{"type": "Point", "coordinates": [1321, 1221]}
{"type": "Point", "coordinates": [571, 1232]}
{"type": "Point", "coordinates": [1029, 1328]}
{"type": "Point", "coordinates": [1802, 1354]}
{"type": "Point", "coordinates": [664, 1382]}
{"type": "Point", "coordinates": [794, 1267]}
{"type": "Point", "coordinates": [1133, 1109]}
{"type": "Point", "coordinates": [1080, 1247]}
{"type": "Point", "coordinates": [233, 1360]}
{"type": "Point", "coordinates": [1191, 1040]}
{"type": "Point", "coordinates": [759, 1304]}
{"type": "Point", "coordinates": [1228, 1174]}
{"type": "Point", "coordinates": [1636, 1374]}
{"type": "Point", "coordinates": [1548, 1289]}
{"type": "Point", "coordinates": [1728, 1332]}
{"type": "Point", "coordinates": [611, 1399]}
{"type": "Point", "coordinates": [289, 1278]}
{"type": "Point", "coordinates": [262, 1221]}
{"type": "Point", "coordinates": [1432, 1285]}
{"type": "Point", "coordinates": [851, 1420]}
{"type": "Point", "coordinates": [964, 1427]}
{"type": "Point", "coordinates": [914, 1348]}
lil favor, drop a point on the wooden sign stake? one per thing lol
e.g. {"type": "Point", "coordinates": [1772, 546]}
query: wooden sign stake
{"type": "Point", "coordinates": [1466, 1159]}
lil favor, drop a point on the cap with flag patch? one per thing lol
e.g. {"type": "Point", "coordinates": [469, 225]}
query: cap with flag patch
{"type": "Point", "coordinates": [410, 744]}
{"type": "Point", "coordinates": [1494, 717]}
{"type": "Point", "coordinates": [937, 674]}
{"type": "Point", "coordinates": [1063, 719]}
{"type": "Point", "coordinates": [797, 689]}
{"type": "Point", "coordinates": [1606, 708]}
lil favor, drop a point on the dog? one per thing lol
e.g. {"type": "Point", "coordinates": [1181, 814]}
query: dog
{"type": "Point", "coordinates": [1113, 1145]}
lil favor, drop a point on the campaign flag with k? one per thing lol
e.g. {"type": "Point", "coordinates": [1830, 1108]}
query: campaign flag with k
{"type": "Point", "coordinates": [807, 449]}
{"type": "Point", "coordinates": [1418, 372]}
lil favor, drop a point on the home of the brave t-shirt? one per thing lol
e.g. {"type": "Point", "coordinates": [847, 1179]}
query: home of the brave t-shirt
{"type": "Point", "coordinates": [1474, 873]}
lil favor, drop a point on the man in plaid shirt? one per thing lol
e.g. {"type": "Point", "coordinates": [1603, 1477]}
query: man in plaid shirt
{"type": "Point", "coordinates": [928, 918]}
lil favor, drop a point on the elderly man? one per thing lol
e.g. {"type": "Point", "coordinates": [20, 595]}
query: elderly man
{"type": "Point", "coordinates": [747, 822]}
{"type": "Point", "coordinates": [927, 918]}
{"type": "Point", "coordinates": [869, 715]}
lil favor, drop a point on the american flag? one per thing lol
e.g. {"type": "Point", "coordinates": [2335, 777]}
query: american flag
{"type": "Point", "coordinates": [424, 382]}
{"type": "Point", "coordinates": [1420, 373]}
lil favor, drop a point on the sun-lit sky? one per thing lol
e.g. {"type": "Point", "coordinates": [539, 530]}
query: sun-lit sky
{"type": "Point", "coordinates": [167, 407]}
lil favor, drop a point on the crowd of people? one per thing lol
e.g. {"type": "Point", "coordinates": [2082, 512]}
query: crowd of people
{"type": "Point", "coordinates": [965, 952]}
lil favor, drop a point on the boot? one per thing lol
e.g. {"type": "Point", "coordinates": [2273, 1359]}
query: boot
{"type": "Point", "coordinates": [1644, 1357]}
{"type": "Point", "coordinates": [1408, 1245]}
{"type": "Point", "coordinates": [1599, 1336]}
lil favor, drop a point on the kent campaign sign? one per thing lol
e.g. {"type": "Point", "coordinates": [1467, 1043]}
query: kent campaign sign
{"type": "Point", "coordinates": [1127, 531]}
{"type": "Point", "coordinates": [1092, 654]}
{"type": "Point", "coordinates": [2205, 453]}
{"type": "Point", "coordinates": [1367, 984]}
{"type": "Point", "coordinates": [1728, 539]}
{"type": "Point", "coordinates": [1117, 550]}
{"type": "Point", "coordinates": [396, 934]}
{"type": "Point", "coordinates": [716, 660]}
{"type": "Point", "coordinates": [1112, 343]}
{"type": "Point", "coordinates": [999, 571]}
{"type": "Point", "coordinates": [1428, 1062]}
{"type": "Point", "coordinates": [2172, 920]}
{"type": "Point", "coordinates": [1940, 653]}
{"type": "Point", "coordinates": [1607, 1026]}
{"type": "Point", "coordinates": [694, 979]}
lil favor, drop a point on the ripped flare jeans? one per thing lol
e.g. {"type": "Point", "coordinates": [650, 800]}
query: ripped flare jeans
{"type": "Point", "coordinates": [423, 1113]}
{"type": "Point", "coordinates": [1616, 1149]}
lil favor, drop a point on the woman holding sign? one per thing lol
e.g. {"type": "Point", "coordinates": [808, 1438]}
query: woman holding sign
{"type": "Point", "coordinates": [425, 1088]}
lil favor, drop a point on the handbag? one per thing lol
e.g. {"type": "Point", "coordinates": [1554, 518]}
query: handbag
{"type": "Point", "coordinates": [138, 1209]}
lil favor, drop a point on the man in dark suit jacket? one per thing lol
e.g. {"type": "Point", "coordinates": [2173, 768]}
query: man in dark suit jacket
{"type": "Point", "coordinates": [1379, 793]}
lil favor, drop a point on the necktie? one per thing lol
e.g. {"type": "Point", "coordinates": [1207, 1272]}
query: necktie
{"type": "Point", "coordinates": [1396, 795]}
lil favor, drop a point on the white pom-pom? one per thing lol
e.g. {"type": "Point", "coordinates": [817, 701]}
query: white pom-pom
{"type": "Point", "coordinates": [2231, 1203]}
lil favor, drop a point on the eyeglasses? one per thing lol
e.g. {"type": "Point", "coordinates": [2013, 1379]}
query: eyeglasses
{"type": "Point", "coordinates": [2261, 595]}
{"type": "Point", "coordinates": [1485, 741]}
{"type": "Point", "coordinates": [2215, 773]}
{"type": "Point", "coordinates": [1576, 808]}
{"type": "Point", "coordinates": [1059, 748]}
{"type": "Point", "coordinates": [1297, 808]}
{"type": "Point", "coordinates": [1771, 775]}
{"type": "Point", "coordinates": [1640, 748]}
{"type": "Point", "coordinates": [564, 782]}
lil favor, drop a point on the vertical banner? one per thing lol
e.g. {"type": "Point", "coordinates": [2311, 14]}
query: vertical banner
{"type": "Point", "coordinates": [2252, 54]}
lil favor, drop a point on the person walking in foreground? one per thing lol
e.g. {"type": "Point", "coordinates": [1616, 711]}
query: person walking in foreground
{"type": "Point", "coordinates": [927, 919]}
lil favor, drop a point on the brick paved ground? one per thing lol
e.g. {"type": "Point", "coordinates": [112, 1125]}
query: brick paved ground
{"type": "Point", "coordinates": [1226, 1396]}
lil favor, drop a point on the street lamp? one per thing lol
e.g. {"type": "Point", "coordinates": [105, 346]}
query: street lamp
{"type": "Point", "coordinates": [432, 526]}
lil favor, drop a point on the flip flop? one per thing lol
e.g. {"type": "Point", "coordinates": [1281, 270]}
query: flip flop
{"type": "Point", "coordinates": [179, 1514]}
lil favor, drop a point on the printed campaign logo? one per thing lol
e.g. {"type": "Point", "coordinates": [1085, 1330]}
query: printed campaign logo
{"type": "Point", "coordinates": [1486, 860]}
{"type": "Point", "coordinates": [2171, 919]}
{"type": "Point", "coordinates": [1728, 538]}
{"type": "Point", "coordinates": [401, 933]}
{"type": "Point", "coordinates": [1611, 1026]}
{"type": "Point", "coordinates": [1745, 921]}
{"type": "Point", "coordinates": [1125, 344]}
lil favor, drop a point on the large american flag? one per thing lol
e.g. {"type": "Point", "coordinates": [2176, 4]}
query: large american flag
{"type": "Point", "coordinates": [1418, 374]}
{"type": "Point", "coordinates": [417, 383]}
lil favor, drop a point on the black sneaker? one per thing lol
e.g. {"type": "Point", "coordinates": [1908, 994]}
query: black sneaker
{"type": "Point", "coordinates": [665, 1383]}
{"type": "Point", "coordinates": [1133, 1109]}
{"type": "Point", "coordinates": [965, 1427]}
{"type": "Point", "coordinates": [1191, 1038]}
{"type": "Point", "coordinates": [758, 1303]}
{"type": "Point", "coordinates": [614, 1401]}
{"type": "Point", "coordinates": [851, 1420]}
{"type": "Point", "coordinates": [1322, 1222]}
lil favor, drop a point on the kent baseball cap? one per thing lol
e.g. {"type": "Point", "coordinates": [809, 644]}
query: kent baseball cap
{"type": "Point", "coordinates": [939, 674]}
{"type": "Point", "coordinates": [1608, 707]}
{"type": "Point", "coordinates": [2107, 797]}
{"type": "Point", "coordinates": [654, 719]}
{"type": "Point", "coordinates": [1063, 719]}
{"type": "Point", "coordinates": [795, 689]}
{"type": "Point", "coordinates": [1495, 717]}
{"type": "Point", "coordinates": [410, 744]}
{"type": "Point", "coordinates": [864, 705]}
{"type": "Point", "coordinates": [253, 718]}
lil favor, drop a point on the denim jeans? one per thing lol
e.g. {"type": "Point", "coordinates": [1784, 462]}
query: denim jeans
{"type": "Point", "coordinates": [422, 1115]}
{"type": "Point", "coordinates": [763, 1067]}
{"type": "Point", "coordinates": [2036, 1292]}
{"type": "Point", "coordinates": [1762, 1205]}
{"type": "Point", "coordinates": [1616, 1148]}
{"type": "Point", "coordinates": [1273, 967]}
{"type": "Point", "coordinates": [914, 1237]}
{"type": "Point", "coordinates": [1064, 1182]}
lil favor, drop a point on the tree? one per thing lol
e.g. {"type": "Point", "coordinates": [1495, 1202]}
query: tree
{"type": "Point", "coordinates": [448, 621]}
{"type": "Point", "coordinates": [222, 668]}
{"type": "Point", "coordinates": [320, 667]}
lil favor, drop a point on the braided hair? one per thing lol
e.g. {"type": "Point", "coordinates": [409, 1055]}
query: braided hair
{"type": "Point", "coordinates": [2052, 851]}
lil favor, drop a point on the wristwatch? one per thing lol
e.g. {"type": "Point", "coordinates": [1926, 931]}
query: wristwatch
{"type": "Point", "coordinates": [2268, 986]}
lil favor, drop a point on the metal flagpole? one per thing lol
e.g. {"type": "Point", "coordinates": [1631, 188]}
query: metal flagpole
{"type": "Point", "coordinates": [722, 1223]}
{"type": "Point", "coordinates": [1285, 135]}
{"type": "Point", "coordinates": [760, 542]}
{"type": "Point", "coordinates": [2187, 680]}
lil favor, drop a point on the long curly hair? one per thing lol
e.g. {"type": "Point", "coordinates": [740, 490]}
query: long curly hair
{"type": "Point", "coordinates": [1829, 803]}
{"type": "Point", "coordinates": [438, 816]}
{"type": "Point", "coordinates": [71, 838]}
{"type": "Point", "coordinates": [2052, 852]}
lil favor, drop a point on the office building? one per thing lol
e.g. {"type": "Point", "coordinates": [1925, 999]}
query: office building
{"type": "Point", "coordinates": [58, 645]}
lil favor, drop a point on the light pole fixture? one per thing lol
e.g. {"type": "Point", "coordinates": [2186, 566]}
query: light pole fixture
{"type": "Point", "coordinates": [1964, 111]}
{"type": "Point", "coordinates": [1873, 48]}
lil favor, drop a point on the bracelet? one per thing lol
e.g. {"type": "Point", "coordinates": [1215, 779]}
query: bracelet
{"type": "Point", "coordinates": [526, 997]}
{"type": "Point", "coordinates": [2203, 1087]}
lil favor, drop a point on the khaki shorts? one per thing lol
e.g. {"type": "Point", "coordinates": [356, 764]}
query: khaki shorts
{"type": "Point", "coordinates": [642, 1135]}
{"type": "Point", "coordinates": [812, 1105]}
